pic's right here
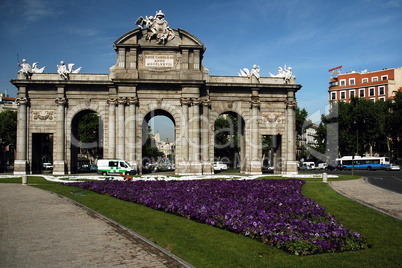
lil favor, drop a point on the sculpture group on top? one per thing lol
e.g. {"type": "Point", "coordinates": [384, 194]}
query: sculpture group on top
{"type": "Point", "coordinates": [62, 69]}
{"type": "Point", "coordinates": [28, 71]}
{"type": "Point", "coordinates": [285, 73]}
{"type": "Point", "coordinates": [245, 72]}
{"type": "Point", "coordinates": [157, 27]}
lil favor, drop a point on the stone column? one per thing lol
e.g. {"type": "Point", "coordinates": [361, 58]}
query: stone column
{"type": "Point", "coordinates": [290, 154]}
{"type": "Point", "coordinates": [59, 163]}
{"type": "Point", "coordinates": [255, 143]}
{"type": "Point", "coordinates": [182, 160]}
{"type": "Point", "coordinates": [112, 128]}
{"type": "Point", "coordinates": [121, 128]}
{"type": "Point", "coordinates": [196, 167]}
{"type": "Point", "coordinates": [132, 134]}
{"type": "Point", "coordinates": [21, 162]}
{"type": "Point", "coordinates": [207, 165]}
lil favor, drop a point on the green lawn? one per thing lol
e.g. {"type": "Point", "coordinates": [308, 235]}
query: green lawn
{"type": "Point", "coordinates": [205, 246]}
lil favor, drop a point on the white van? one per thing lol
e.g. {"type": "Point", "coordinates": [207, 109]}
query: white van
{"type": "Point", "coordinates": [114, 167]}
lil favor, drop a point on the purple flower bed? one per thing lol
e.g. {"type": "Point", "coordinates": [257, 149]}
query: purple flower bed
{"type": "Point", "coordinates": [272, 211]}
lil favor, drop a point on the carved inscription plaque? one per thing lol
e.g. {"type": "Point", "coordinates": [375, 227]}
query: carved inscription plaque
{"type": "Point", "coordinates": [159, 61]}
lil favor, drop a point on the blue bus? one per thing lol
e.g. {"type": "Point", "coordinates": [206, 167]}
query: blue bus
{"type": "Point", "coordinates": [368, 163]}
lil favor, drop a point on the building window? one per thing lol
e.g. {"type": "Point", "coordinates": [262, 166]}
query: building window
{"type": "Point", "coordinates": [343, 82]}
{"type": "Point", "coordinates": [372, 99]}
{"type": "Point", "coordinates": [333, 95]}
{"type": "Point", "coordinates": [381, 90]}
{"type": "Point", "coordinates": [352, 81]}
{"type": "Point", "coordinates": [374, 79]}
{"type": "Point", "coordinates": [371, 91]}
{"type": "Point", "coordinates": [343, 95]}
{"type": "Point", "coordinates": [381, 99]}
{"type": "Point", "coordinates": [384, 77]}
{"type": "Point", "coordinates": [351, 94]}
{"type": "Point", "coordinates": [361, 93]}
{"type": "Point", "coordinates": [365, 80]}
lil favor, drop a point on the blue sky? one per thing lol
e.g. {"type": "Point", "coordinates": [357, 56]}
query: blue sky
{"type": "Point", "coordinates": [311, 36]}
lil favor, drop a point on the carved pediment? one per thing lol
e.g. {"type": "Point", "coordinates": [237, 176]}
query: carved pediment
{"type": "Point", "coordinates": [139, 37]}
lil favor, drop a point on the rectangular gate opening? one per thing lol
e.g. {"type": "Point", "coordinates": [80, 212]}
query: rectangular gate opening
{"type": "Point", "coordinates": [42, 152]}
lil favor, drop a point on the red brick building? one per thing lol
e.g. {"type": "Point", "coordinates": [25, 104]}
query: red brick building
{"type": "Point", "coordinates": [375, 86]}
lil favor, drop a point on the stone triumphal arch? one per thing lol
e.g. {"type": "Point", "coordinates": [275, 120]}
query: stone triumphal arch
{"type": "Point", "coordinates": [158, 70]}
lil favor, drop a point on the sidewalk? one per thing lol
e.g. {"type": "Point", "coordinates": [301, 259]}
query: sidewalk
{"type": "Point", "coordinates": [387, 202]}
{"type": "Point", "coordinates": [41, 229]}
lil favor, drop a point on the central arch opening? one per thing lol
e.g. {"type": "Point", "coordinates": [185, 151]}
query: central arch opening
{"type": "Point", "coordinates": [158, 142]}
{"type": "Point", "coordinates": [86, 141]}
{"type": "Point", "coordinates": [228, 142]}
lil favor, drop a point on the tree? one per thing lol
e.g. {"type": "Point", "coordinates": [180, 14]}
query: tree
{"type": "Point", "coordinates": [301, 125]}
{"type": "Point", "coordinates": [226, 136]}
{"type": "Point", "coordinates": [8, 127]}
{"type": "Point", "coordinates": [394, 126]}
{"type": "Point", "coordinates": [361, 127]}
{"type": "Point", "coordinates": [8, 133]}
{"type": "Point", "coordinates": [149, 150]}
{"type": "Point", "coordinates": [88, 132]}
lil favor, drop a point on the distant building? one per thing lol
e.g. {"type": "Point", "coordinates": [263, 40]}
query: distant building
{"type": "Point", "coordinates": [375, 86]}
{"type": "Point", "coordinates": [165, 147]}
{"type": "Point", "coordinates": [308, 136]}
{"type": "Point", "coordinates": [7, 103]}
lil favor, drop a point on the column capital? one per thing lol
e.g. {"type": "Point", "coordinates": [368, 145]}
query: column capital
{"type": "Point", "coordinates": [255, 103]}
{"type": "Point", "coordinates": [60, 101]}
{"type": "Point", "coordinates": [122, 100]}
{"type": "Point", "coordinates": [206, 102]}
{"type": "Point", "coordinates": [133, 101]}
{"type": "Point", "coordinates": [197, 101]}
{"type": "Point", "coordinates": [112, 101]}
{"type": "Point", "coordinates": [22, 101]}
{"type": "Point", "coordinates": [291, 104]}
{"type": "Point", "coordinates": [185, 101]}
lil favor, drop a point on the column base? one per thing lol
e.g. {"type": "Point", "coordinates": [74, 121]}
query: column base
{"type": "Point", "coordinates": [207, 168]}
{"type": "Point", "coordinates": [21, 167]}
{"type": "Point", "coordinates": [59, 168]}
{"type": "Point", "coordinates": [291, 168]}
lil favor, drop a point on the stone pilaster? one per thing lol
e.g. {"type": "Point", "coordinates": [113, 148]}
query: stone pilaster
{"type": "Point", "coordinates": [21, 162]}
{"type": "Point", "coordinates": [182, 160]}
{"type": "Point", "coordinates": [207, 158]}
{"type": "Point", "coordinates": [120, 146]}
{"type": "Point", "coordinates": [131, 123]}
{"type": "Point", "coordinates": [59, 163]}
{"type": "Point", "coordinates": [291, 165]}
{"type": "Point", "coordinates": [195, 139]}
{"type": "Point", "coordinates": [112, 128]}
{"type": "Point", "coordinates": [255, 142]}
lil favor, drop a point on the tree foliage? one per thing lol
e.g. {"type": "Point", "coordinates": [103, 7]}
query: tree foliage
{"type": "Point", "coordinates": [363, 126]}
{"type": "Point", "coordinates": [149, 149]}
{"type": "Point", "coordinates": [8, 127]}
{"type": "Point", "coordinates": [88, 128]}
{"type": "Point", "coordinates": [226, 136]}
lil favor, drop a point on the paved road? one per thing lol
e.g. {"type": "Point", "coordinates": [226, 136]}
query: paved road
{"type": "Point", "coordinates": [389, 180]}
{"type": "Point", "coordinates": [42, 229]}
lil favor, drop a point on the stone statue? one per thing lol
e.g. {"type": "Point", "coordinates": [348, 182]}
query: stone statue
{"type": "Point", "coordinates": [285, 73]}
{"type": "Point", "coordinates": [26, 69]}
{"type": "Point", "coordinates": [37, 70]}
{"type": "Point", "coordinates": [245, 72]}
{"type": "Point", "coordinates": [64, 71]}
{"type": "Point", "coordinates": [157, 27]}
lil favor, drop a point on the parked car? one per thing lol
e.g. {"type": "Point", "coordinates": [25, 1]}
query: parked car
{"type": "Point", "coordinates": [393, 167]}
{"type": "Point", "coordinates": [47, 166]}
{"type": "Point", "coordinates": [220, 166]}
